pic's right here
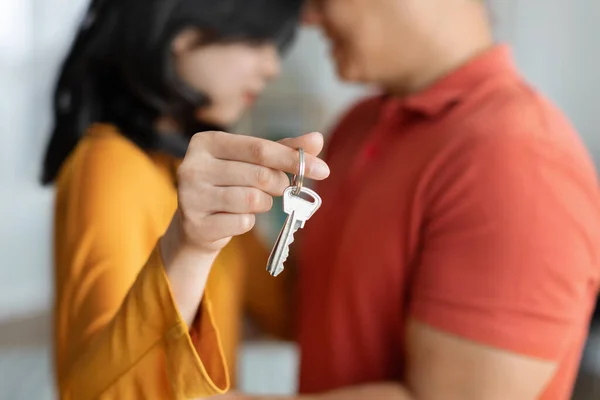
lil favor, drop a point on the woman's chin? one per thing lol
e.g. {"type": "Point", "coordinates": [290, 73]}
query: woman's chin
{"type": "Point", "coordinates": [218, 119]}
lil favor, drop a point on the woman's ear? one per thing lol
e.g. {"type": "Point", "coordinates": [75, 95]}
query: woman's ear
{"type": "Point", "coordinates": [186, 40]}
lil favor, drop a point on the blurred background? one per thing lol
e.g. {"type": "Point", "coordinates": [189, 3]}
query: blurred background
{"type": "Point", "coordinates": [556, 44]}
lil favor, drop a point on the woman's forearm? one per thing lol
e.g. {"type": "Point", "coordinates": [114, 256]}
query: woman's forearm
{"type": "Point", "coordinates": [187, 270]}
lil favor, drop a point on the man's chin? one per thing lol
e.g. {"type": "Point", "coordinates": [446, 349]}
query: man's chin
{"type": "Point", "coordinates": [349, 74]}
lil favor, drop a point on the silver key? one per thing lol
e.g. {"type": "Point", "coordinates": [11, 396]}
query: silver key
{"type": "Point", "coordinates": [299, 211]}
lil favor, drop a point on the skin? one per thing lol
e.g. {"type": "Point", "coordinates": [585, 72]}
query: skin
{"type": "Point", "coordinates": [403, 46]}
{"type": "Point", "coordinates": [232, 75]}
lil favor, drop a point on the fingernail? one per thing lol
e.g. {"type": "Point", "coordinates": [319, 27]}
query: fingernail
{"type": "Point", "coordinates": [320, 170]}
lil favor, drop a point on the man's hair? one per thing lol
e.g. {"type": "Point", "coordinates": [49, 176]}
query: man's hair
{"type": "Point", "coordinates": [120, 70]}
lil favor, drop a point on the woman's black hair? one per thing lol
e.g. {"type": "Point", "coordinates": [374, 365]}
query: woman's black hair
{"type": "Point", "coordinates": [120, 71]}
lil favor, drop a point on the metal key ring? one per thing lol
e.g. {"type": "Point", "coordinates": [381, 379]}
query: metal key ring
{"type": "Point", "coordinates": [298, 178]}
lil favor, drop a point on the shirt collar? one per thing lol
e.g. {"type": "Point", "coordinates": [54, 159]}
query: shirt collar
{"type": "Point", "coordinates": [450, 89]}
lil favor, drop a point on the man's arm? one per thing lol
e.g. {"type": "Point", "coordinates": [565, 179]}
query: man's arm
{"type": "Point", "coordinates": [444, 366]}
{"type": "Point", "coordinates": [377, 391]}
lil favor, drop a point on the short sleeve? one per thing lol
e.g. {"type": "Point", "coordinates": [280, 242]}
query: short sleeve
{"type": "Point", "coordinates": [509, 247]}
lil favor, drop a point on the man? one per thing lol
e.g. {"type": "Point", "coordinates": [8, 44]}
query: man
{"type": "Point", "coordinates": [456, 252]}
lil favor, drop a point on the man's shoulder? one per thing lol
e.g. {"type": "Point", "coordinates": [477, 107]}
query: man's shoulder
{"type": "Point", "coordinates": [514, 130]}
{"type": "Point", "coordinates": [512, 105]}
{"type": "Point", "coordinates": [514, 111]}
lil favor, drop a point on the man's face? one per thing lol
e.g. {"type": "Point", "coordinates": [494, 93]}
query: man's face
{"type": "Point", "coordinates": [374, 41]}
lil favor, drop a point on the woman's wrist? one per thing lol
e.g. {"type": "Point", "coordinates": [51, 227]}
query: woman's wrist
{"type": "Point", "coordinates": [174, 250]}
{"type": "Point", "coordinates": [187, 269]}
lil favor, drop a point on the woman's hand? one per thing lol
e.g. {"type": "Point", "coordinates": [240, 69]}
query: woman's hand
{"type": "Point", "coordinates": [223, 182]}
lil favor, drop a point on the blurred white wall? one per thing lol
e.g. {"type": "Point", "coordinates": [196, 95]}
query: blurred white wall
{"type": "Point", "coordinates": [556, 44]}
{"type": "Point", "coordinates": [33, 37]}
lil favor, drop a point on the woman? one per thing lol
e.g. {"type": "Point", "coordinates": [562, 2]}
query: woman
{"type": "Point", "coordinates": [141, 78]}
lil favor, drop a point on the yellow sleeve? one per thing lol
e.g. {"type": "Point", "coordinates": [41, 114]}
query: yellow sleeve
{"type": "Point", "coordinates": [269, 301]}
{"type": "Point", "coordinates": [118, 334]}
{"type": "Point", "coordinates": [146, 352]}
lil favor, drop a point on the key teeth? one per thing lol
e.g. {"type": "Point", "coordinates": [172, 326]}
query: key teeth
{"type": "Point", "coordinates": [285, 254]}
{"type": "Point", "coordinates": [286, 251]}
{"type": "Point", "coordinates": [275, 271]}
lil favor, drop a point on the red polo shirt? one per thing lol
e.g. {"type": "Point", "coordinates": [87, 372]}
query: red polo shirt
{"type": "Point", "coordinates": [471, 206]}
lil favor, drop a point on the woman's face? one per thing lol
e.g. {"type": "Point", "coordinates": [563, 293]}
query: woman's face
{"type": "Point", "coordinates": [231, 75]}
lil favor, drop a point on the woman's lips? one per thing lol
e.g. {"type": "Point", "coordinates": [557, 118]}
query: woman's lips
{"type": "Point", "coordinates": [250, 97]}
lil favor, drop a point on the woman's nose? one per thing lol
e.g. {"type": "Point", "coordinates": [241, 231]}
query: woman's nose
{"type": "Point", "coordinates": [272, 62]}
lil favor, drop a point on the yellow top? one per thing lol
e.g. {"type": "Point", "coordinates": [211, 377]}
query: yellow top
{"type": "Point", "coordinates": [118, 334]}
